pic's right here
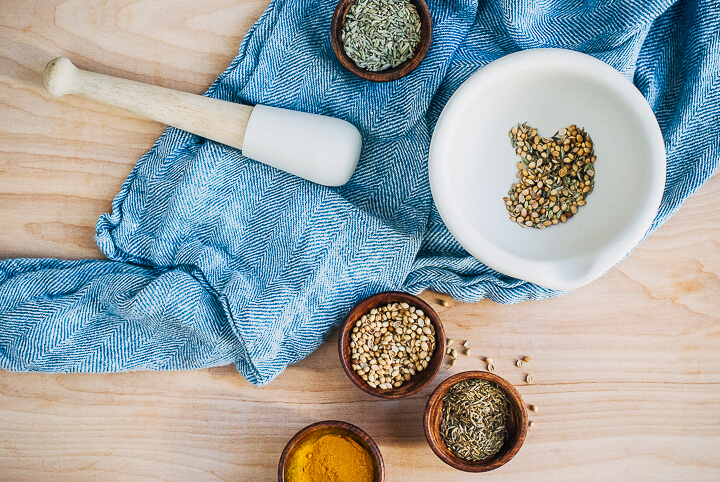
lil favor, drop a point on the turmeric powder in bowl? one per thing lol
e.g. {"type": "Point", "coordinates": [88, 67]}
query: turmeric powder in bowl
{"type": "Point", "coordinates": [329, 452]}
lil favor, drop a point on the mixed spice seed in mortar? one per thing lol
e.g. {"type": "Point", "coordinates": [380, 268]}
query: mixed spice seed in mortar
{"type": "Point", "coordinates": [391, 344]}
{"type": "Point", "coordinates": [556, 176]}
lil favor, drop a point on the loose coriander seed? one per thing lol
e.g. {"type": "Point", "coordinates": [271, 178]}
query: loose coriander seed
{"type": "Point", "coordinates": [526, 359]}
{"type": "Point", "coordinates": [533, 408]}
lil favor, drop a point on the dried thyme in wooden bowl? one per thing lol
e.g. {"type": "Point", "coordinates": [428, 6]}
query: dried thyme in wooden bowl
{"type": "Point", "coordinates": [475, 421]}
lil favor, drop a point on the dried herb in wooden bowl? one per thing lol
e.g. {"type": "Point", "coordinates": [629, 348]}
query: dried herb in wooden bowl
{"type": "Point", "coordinates": [381, 34]}
{"type": "Point", "coordinates": [474, 419]}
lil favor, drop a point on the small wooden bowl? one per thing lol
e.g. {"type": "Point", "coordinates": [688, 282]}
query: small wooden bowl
{"type": "Point", "coordinates": [517, 424]}
{"type": "Point", "coordinates": [388, 75]}
{"type": "Point", "coordinates": [348, 429]}
{"type": "Point", "coordinates": [421, 379]}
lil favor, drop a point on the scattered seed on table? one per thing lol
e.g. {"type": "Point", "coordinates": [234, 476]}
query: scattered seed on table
{"type": "Point", "coordinates": [468, 351]}
{"type": "Point", "coordinates": [533, 408]}
{"type": "Point", "coordinates": [518, 363]}
{"type": "Point", "coordinates": [531, 423]}
{"type": "Point", "coordinates": [452, 352]}
{"type": "Point", "coordinates": [444, 303]}
{"type": "Point", "coordinates": [526, 359]}
{"type": "Point", "coordinates": [452, 362]}
{"type": "Point", "coordinates": [529, 379]}
{"type": "Point", "coordinates": [449, 341]}
{"type": "Point", "coordinates": [488, 360]}
{"type": "Point", "coordinates": [490, 367]}
{"type": "Point", "coordinates": [467, 344]}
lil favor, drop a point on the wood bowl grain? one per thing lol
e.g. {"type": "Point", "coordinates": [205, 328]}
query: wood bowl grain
{"type": "Point", "coordinates": [517, 424]}
{"type": "Point", "coordinates": [418, 381]}
{"type": "Point", "coordinates": [389, 75]}
{"type": "Point", "coordinates": [331, 426]}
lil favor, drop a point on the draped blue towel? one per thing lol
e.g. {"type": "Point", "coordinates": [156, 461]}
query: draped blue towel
{"type": "Point", "coordinates": [216, 259]}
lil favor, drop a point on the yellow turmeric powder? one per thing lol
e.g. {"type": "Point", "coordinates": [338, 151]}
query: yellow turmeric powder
{"type": "Point", "coordinates": [330, 455]}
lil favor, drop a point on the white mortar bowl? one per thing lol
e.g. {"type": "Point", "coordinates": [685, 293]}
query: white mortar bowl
{"type": "Point", "coordinates": [473, 165]}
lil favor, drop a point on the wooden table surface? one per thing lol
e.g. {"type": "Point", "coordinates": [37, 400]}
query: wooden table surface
{"type": "Point", "coordinates": [627, 369]}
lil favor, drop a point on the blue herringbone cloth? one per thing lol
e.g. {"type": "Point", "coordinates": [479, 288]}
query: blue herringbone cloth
{"type": "Point", "coordinates": [217, 259]}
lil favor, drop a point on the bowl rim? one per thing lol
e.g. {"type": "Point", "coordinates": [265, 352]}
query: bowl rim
{"type": "Point", "coordinates": [433, 367]}
{"type": "Point", "coordinates": [550, 274]}
{"type": "Point", "coordinates": [338, 424]}
{"type": "Point", "coordinates": [434, 403]}
{"type": "Point", "coordinates": [389, 75]}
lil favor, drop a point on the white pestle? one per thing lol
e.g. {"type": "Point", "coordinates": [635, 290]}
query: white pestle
{"type": "Point", "coordinates": [318, 148]}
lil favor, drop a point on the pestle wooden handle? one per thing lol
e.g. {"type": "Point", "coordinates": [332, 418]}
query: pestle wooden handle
{"type": "Point", "coordinates": [221, 121]}
{"type": "Point", "coordinates": [318, 148]}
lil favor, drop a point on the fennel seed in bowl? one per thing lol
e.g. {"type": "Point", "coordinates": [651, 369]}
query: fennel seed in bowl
{"type": "Point", "coordinates": [381, 34]}
{"type": "Point", "coordinates": [474, 419]}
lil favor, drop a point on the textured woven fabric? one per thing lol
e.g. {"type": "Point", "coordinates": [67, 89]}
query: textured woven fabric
{"type": "Point", "coordinates": [216, 258]}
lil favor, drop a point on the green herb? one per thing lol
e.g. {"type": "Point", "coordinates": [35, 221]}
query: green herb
{"type": "Point", "coordinates": [556, 176]}
{"type": "Point", "coordinates": [381, 34]}
{"type": "Point", "coordinates": [474, 419]}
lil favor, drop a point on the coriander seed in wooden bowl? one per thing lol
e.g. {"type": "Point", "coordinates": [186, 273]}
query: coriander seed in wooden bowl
{"type": "Point", "coordinates": [392, 345]}
{"type": "Point", "coordinates": [475, 421]}
{"type": "Point", "coordinates": [381, 40]}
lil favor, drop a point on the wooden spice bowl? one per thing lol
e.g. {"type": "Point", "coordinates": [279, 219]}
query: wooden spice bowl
{"type": "Point", "coordinates": [330, 426]}
{"type": "Point", "coordinates": [418, 381]}
{"type": "Point", "coordinates": [517, 423]}
{"type": "Point", "coordinates": [336, 27]}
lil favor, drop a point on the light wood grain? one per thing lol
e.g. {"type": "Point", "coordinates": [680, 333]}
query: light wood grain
{"type": "Point", "coordinates": [627, 369]}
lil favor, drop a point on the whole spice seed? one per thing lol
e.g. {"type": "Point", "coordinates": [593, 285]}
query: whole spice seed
{"type": "Point", "coordinates": [555, 176]}
{"type": "Point", "coordinates": [468, 351]}
{"type": "Point", "coordinates": [381, 34]}
{"type": "Point", "coordinates": [490, 367]}
{"type": "Point", "coordinates": [531, 423]}
{"type": "Point", "coordinates": [530, 379]}
{"type": "Point", "coordinates": [518, 363]}
{"type": "Point", "coordinates": [474, 419]}
{"type": "Point", "coordinates": [444, 303]}
{"type": "Point", "coordinates": [488, 360]}
{"type": "Point", "coordinates": [391, 344]}
{"type": "Point", "coordinates": [467, 344]}
{"type": "Point", "coordinates": [452, 362]}
{"type": "Point", "coordinates": [526, 359]}
{"type": "Point", "coordinates": [449, 341]}
{"type": "Point", "coordinates": [533, 408]}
